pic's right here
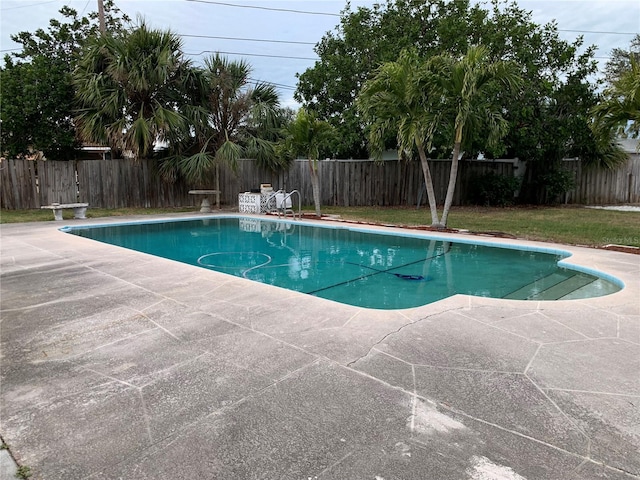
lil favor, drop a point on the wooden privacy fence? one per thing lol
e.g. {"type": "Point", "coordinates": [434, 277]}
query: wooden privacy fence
{"type": "Point", "coordinates": [128, 183]}
{"type": "Point", "coordinates": [605, 187]}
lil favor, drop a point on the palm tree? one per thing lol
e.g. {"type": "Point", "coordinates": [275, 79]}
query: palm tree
{"type": "Point", "coordinates": [426, 101]}
{"type": "Point", "coordinates": [466, 88]}
{"type": "Point", "coordinates": [306, 135]}
{"type": "Point", "coordinates": [393, 102]}
{"type": "Point", "coordinates": [227, 118]}
{"type": "Point", "coordinates": [129, 88]}
{"type": "Point", "coordinates": [619, 112]}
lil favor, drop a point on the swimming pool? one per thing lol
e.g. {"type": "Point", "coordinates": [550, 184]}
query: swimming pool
{"type": "Point", "coordinates": [355, 266]}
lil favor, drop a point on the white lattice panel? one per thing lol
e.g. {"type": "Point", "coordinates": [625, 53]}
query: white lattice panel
{"type": "Point", "coordinates": [264, 202]}
{"type": "Point", "coordinates": [249, 202]}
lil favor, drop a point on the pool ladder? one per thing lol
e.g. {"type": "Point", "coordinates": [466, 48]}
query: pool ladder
{"type": "Point", "coordinates": [284, 203]}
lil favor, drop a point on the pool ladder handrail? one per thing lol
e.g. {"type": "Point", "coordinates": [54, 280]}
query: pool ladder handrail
{"type": "Point", "coordinates": [282, 208]}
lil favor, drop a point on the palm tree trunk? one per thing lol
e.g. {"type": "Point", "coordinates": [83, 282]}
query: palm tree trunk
{"type": "Point", "coordinates": [315, 186]}
{"type": "Point", "coordinates": [218, 186]}
{"type": "Point", "coordinates": [453, 176]}
{"type": "Point", "coordinates": [431, 194]}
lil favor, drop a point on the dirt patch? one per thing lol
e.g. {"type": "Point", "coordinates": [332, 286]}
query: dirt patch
{"type": "Point", "coordinates": [621, 248]}
{"type": "Point", "coordinates": [334, 218]}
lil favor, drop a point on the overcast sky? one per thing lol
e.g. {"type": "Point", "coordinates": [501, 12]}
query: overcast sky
{"type": "Point", "coordinates": [607, 24]}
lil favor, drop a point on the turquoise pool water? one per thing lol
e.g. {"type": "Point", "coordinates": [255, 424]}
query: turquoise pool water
{"type": "Point", "coordinates": [352, 266]}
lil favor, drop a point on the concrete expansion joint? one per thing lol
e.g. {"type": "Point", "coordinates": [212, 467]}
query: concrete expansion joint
{"type": "Point", "coordinates": [585, 458]}
{"type": "Point", "coordinates": [8, 464]}
{"type": "Point", "coordinates": [570, 419]}
{"type": "Point", "coordinates": [611, 467]}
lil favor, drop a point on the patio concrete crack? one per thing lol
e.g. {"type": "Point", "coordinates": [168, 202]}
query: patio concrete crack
{"type": "Point", "coordinates": [118, 380]}
{"type": "Point", "coordinates": [145, 414]}
{"type": "Point", "coordinates": [397, 330]}
{"type": "Point", "coordinates": [610, 467]}
{"type": "Point", "coordinates": [533, 357]}
{"type": "Point", "coordinates": [585, 458]}
{"type": "Point", "coordinates": [334, 464]}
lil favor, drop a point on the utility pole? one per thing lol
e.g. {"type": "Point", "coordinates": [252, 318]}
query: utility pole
{"type": "Point", "coordinates": [103, 27]}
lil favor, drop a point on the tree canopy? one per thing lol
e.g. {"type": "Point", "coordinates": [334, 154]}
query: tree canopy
{"type": "Point", "coordinates": [548, 117]}
{"type": "Point", "coordinates": [443, 97]}
{"type": "Point", "coordinates": [227, 117]}
{"type": "Point", "coordinates": [130, 88]}
{"type": "Point", "coordinates": [620, 60]}
{"type": "Point", "coordinates": [36, 98]}
{"type": "Point", "coordinates": [619, 110]}
{"type": "Point", "coordinates": [368, 37]}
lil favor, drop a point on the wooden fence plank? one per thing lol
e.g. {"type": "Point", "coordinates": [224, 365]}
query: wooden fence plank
{"type": "Point", "coordinates": [10, 185]}
{"type": "Point", "coordinates": [605, 187]}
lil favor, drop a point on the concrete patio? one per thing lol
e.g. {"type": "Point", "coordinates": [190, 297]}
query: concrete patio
{"type": "Point", "coordinates": [119, 365]}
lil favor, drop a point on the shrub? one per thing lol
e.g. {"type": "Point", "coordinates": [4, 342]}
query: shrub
{"type": "Point", "coordinates": [555, 183]}
{"type": "Point", "coordinates": [492, 189]}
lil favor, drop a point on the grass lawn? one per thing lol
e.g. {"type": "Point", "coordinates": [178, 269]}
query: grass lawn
{"type": "Point", "coordinates": [38, 215]}
{"type": "Point", "coordinates": [569, 224]}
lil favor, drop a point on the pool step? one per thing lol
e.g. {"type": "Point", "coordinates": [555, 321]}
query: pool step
{"type": "Point", "coordinates": [536, 287]}
{"type": "Point", "coordinates": [565, 288]}
{"type": "Point", "coordinates": [553, 287]}
{"type": "Point", "coordinates": [597, 288]}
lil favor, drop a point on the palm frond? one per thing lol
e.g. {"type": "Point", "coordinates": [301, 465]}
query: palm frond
{"type": "Point", "coordinates": [266, 154]}
{"type": "Point", "coordinates": [307, 135]}
{"type": "Point", "coordinates": [195, 167]}
{"type": "Point", "coordinates": [128, 87]}
{"type": "Point", "coordinates": [229, 153]}
{"type": "Point", "coordinates": [169, 168]}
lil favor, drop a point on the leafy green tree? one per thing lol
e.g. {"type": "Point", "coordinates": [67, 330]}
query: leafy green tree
{"type": "Point", "coordinates": [365, 39]}
{"type": "Point", "coordinates": [443, 96]}
{"type": "Point", "coordinates": [129, 89]}
{"type": "Point", "coordinates": [620, 60]}
{"type": "Point", "coordinates": [227, 118]}
{"type": "Point", "coordinates": [36, 114]}
{"type": "Point", "coordinates": [548, 117]}
{"type": "Point", "coordinates": [307, 135]}
{"type": "Point", "coordinates": [36, 105]}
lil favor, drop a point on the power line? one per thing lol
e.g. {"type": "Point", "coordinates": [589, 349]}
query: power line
{"type": "Point", "coordinates": [27, 6]}
{"type": "Point", "coordinates": [266, 8]}
{"type": "Point", "coordinates": [601, 33]}
{"type": "Point", "coordinates": [251, 55]}
{"type": "Point", "coordinates": [248, 39]}
{"type": "Point", "coordinates": [279, 85]}
{"type": "Point", "coordinates": [85, 7]}
{"type": "Point", "coordinates": [306, 12]}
